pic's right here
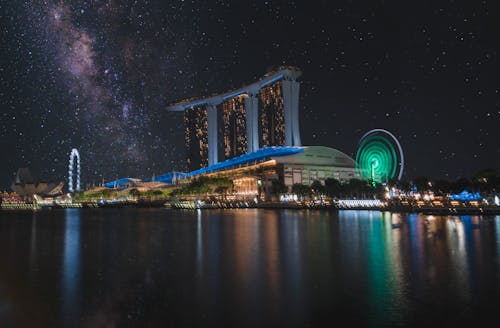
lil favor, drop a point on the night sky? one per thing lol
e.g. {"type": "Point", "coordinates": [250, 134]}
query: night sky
{"type": "Point", "coordinates": [97, 76]}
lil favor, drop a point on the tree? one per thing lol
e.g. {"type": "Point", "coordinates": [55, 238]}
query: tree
{"type": "Point", "coordinates": [317, 187]}
{"type": "Point", "coordinates": [378, 191]}
{"type": "Point", "coordinates": [300, 190]}
{"type": "Point", "coordinates": [222, 190]}
{"type": "Point", "coordinates": [460, 185]}
{"type": "Point", "coordinates": [421, 183]}
{"type": "Point", "coordinates": [333, 187]}
{"type": "Point", "coordinates": [134, 192]}
{"type": "Point", "coordinates": [278, 187]}
{"type": "Point", "coordinates": [487, 180]}
{"type": "Point", "coordinates": [442, 187]}
{"type": "Point", "coordinates": [358, 188]}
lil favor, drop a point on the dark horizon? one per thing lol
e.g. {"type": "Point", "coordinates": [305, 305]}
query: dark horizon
{"type": "Point", "coordinates": [98, 77]}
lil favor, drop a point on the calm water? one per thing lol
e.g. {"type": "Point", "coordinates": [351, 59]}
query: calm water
{"type": "Point", "coordinates": [246, 268]}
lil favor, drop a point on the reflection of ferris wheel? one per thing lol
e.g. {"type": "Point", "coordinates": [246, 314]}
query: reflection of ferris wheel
{"type": "Point", "coordinates": [379, 156]}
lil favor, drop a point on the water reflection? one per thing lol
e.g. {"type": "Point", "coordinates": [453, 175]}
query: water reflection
{"type": "Point", "coordinates": [466, 253]}
{"type": "Point", "coordinates": [199, 242]}
{"type": "Point", "coordinates": [33, 244]}
{"type": "Point", "coordinates": [291, 255]}
{"type": "Point", "coordinates": [458, 255]}
{"type": "Point", "coordinates": [497, 234]}
{"type": "Point", "coordinates": [417, 249]}
{"type": "Point", "coordinates": [250, 268]}
{"type": "Point", "coordinates": [270, 229]}
{"type": "Point", "coordinates": [71, 267]}
{"type": "Point", "coordinates": [372, 251]}
{"type": "Point", "coordinates": [394, 263]}
{"type": "Point", "coordinates": [406, 259]}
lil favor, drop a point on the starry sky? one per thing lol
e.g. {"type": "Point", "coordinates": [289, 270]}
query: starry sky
{"type": "Point", "coordinates": [97, 76]}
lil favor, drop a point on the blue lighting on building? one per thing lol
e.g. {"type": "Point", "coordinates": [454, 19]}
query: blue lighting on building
{"type": "Point", "coordinates": [245, 159]}
{"type": "Point", "coordinates": [277, 78]}
{"type": "Point", "coordinates": [466, 196]}
{"type": "Point", "coordinates": [195, 104]}
{"type": "Point", "coordinates": [234, 94]}
{"type": "Point", "coordinates": [251, 158]}
{"type": "Point", "coordinates": [120, 183]}
{"type": "Point", "coordinates": [168, 178]}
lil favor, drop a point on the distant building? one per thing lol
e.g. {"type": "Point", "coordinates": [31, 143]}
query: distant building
{"type": "Point", "coordinates": [196, 137]}
{"type": "Point", "coordinates": [25, 186]}
{"type": "Point", "coordinates": [234, 127]}
{"type": "Point", "coordinates": [253, 173]}
{"type": "Point", "coordinates": [271, 116]}
{"type": "Point", "coordinates": [315, 163]}
{"type": "Point", "coordinates": [134, 183]}
{"type": "Point", "coordinates": [261, 114]}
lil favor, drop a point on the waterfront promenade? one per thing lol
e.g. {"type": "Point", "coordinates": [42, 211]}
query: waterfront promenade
{"type": "Point", "coordinates": [457, 208]}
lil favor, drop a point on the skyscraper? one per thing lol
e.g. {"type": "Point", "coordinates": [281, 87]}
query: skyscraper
{"type": "Point", "coordinates": [261, 114]}
{"type": "Point", "coordinates": [234, 127]}
{"type": "Point", "coordinates": [196, 137]}
{"type": "Point", "coordinates": [271, 116]}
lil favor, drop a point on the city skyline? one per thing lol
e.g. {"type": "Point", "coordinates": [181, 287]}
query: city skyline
{"type": "Point", "coordinates": [99, 76]}
{"type": "Point", "coordinates": [221, 163]}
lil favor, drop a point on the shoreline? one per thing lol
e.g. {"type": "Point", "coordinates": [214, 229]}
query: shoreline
{"type": "Point", "coordinates": [189, 205]}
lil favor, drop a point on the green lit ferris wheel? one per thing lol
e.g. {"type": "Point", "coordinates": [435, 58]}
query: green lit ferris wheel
{"type": "Point", "coordinates": [379, 156]}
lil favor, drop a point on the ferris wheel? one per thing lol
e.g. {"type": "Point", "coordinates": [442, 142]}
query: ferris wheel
{"type": "Point", "coordinates": [379, 156]}
{"type": "Point", "coordinates": [72, 156]}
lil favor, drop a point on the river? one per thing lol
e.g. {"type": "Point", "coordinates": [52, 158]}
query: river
{"type": "Point", "coordinates": [134, 267]}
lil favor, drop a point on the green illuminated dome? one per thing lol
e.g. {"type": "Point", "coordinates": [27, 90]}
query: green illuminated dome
{"type": "Point", "coordinates": [379, 156]}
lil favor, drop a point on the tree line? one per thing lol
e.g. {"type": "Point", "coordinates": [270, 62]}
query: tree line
{"type": "Point", "coordinates": [485, 181]}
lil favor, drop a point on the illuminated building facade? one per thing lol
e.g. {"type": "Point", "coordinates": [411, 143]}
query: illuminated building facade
{"type": "Point", "coordinates": [262, 114]}
{"type": "Point", "coordinates": [271, 116]}
{"type": "Point", "coordinates": [196, 137]}
{"type": "Point", "coordinates": [254, 173]}
{"type": "Point", "coordinates": [234, 127]}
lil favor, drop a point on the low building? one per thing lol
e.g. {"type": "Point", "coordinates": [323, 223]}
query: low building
{"type": "Point", "coordinates": [315, 163]}
{"type": "Point", "coordinates": [253, 173]}
{"type": "Point", "coordinates": [257, 173]}
{"type": "Point", "coordinates": [140, 185]}
{"type": "Point", "coordinates": [26, 187]}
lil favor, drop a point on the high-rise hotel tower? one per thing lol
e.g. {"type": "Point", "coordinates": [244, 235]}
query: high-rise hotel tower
{"type": "Point", "coordinates": [264, 113]}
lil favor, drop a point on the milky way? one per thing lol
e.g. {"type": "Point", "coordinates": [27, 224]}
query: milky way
{"type": "Point", "coordinates": [97, 76]}
{"type": "Point", "coordinates": [93, 70]}
{"type": "Point", "coordinates": [86, 80]}
{"type": "Point", "coordinates": [75, 52]}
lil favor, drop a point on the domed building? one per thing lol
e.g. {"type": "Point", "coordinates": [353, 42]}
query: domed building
{"type": "Point", "coordinates": [255, 173]}
{"type": "Point", "coordinates": [315, 163]}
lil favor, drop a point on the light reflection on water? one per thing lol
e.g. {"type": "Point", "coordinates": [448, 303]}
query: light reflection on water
{"type": "Point", "coordinates": [130, 267]}
{"type": "Point", "coordinates": [497, 229]}
{"type": "Point", "coordinates": [71, 267]}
